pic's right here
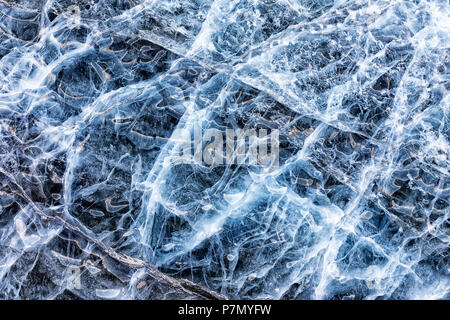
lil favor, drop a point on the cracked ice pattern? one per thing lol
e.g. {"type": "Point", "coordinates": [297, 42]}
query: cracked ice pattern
{"type": "Point", "coordinates": [95, 95]}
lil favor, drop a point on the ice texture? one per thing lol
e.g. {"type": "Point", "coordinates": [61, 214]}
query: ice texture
{"type": "Point", "coordinates": [96, 96]}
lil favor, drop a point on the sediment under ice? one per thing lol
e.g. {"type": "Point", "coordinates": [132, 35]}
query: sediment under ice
{"type": "Point", "coordinates": [95, 95]}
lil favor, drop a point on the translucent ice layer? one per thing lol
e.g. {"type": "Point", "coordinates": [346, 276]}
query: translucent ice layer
{"type": "Point", "coordinates": [98, 96]}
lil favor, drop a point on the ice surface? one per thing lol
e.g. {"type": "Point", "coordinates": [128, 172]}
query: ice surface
{"type": "Point", "coordinates": [96, 97]}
